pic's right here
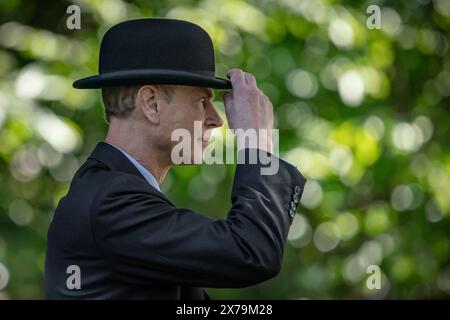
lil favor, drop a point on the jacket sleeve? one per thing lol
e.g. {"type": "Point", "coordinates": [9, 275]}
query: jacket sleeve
{"type": "Point", "coordinates": [147, 240]}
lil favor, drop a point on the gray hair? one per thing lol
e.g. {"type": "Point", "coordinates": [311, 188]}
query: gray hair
{"type": "Point", "coordinates": [119, 101]}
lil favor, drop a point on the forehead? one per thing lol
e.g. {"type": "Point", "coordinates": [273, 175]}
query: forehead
{"type": "Point", "coordinates": [200, 91]}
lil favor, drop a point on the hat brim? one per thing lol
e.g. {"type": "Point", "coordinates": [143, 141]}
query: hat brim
{"type": "Point", "coordinates": [151, 76]}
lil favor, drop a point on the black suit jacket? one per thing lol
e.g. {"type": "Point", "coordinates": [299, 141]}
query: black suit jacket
{"type": "Point", "coordinates": [130, 242]}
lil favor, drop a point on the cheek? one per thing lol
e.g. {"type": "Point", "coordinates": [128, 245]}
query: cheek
{"type": "Point", "coordinates": [168, 123]}
{"type": "Point", "coordinates": [193, 113]}
{"type": "Point", "coordinates": [181, 116]}
{"type": "Point", "coordinates": [174, 122]}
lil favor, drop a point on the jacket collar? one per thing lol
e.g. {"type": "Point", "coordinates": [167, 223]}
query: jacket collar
{"type": "Point", "coordinates": [114, 159]}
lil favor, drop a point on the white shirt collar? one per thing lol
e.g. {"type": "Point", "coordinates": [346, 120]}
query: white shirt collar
{"type": "Point", "coordinates": [147, 175]}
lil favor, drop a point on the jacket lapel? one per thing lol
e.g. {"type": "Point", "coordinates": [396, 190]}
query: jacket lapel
{"type": "Point", "coordinates": [113, 158]}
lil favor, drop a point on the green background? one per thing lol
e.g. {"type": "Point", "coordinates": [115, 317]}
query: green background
{"type": "Point", "coordinates": [364, 113]}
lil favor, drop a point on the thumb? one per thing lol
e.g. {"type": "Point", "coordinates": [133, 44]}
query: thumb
{"type": "Point", "coordinates": [226, 97]}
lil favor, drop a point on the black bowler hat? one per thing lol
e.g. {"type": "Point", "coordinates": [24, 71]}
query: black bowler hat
{"type": "Point", "coordinates": [155, 51]}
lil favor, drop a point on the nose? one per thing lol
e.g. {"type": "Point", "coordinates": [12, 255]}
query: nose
{"type": "Point", "coordinates": [212, 117]}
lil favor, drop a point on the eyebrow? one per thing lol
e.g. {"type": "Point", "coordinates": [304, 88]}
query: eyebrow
{"type": "Point", "coordinates": [209, 93]}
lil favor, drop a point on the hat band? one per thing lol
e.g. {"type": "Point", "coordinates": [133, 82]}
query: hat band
{"type": "Point", "coordinates": [144, 72]}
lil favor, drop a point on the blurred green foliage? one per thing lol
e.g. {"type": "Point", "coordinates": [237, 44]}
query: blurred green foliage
{"type": "Point", "coordinates": [363, 113]}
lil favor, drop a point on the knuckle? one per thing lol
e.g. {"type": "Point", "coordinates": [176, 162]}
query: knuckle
{"type": "Point", "coordinates": [233, 72]}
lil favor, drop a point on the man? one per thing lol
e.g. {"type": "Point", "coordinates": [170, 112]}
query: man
{"type": "Point", "coordinates": [115, 235]}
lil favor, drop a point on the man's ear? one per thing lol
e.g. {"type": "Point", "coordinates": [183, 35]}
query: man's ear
{"type": "Point", "coordinates": [147, 100]}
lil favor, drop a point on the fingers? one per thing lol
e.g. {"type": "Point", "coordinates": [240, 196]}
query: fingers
{"type": "Point", "coordinates": [227, 97]}
{"type": "Point", "coordinates": [244, 83]}
{"type": "Point", "coordinates": [240, 78]}
{"type": "Point", "coordinates": [237, 78]}
{"type": "Point", "coordinates": [250, 80]}
{"type": "Point", "coordinates": [263, 100]}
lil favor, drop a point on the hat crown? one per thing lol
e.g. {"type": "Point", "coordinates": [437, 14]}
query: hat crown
{"type": "Point", "coordinates": [155, 51]}
{"type": "Point", "coordinates": [157, 44]}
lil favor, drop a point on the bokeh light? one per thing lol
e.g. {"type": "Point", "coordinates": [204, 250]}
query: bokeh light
{"type": "Point", "coordinates": [362, 113]}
